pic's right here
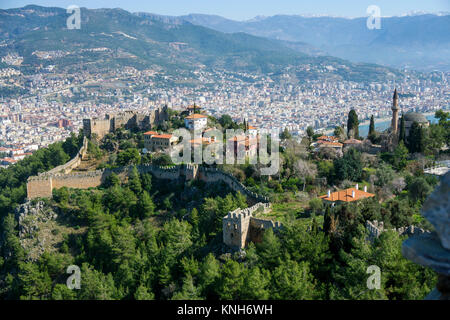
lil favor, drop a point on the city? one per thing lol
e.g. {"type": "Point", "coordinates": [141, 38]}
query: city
{"type": "Point", "coordinates": [55, 106]}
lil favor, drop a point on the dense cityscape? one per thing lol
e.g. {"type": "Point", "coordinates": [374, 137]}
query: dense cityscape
{"type": "Point", "coordinates": [55, 104]}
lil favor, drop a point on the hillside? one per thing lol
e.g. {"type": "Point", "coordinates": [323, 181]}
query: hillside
{"type": "Point", "coordinates": [114, 37]}
{"type": "Point", "coordinates": [142, 236]}
{"type": "Point", "coordinates": [419, 41]}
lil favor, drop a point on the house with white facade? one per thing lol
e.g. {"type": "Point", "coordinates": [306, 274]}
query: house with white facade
{"type": "Point", "coordinates": [196, 121]}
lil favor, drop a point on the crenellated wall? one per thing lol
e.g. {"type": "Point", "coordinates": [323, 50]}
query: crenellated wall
{"type": "Point", "coordinates": [74, 162]}
{"type": "Point", "coordinates": [41, 186]}
{"type": "Point", "coordinates": [61, 177]}
{"type": "Point", "coordinates": [375, 229]}
{"type": "Point", "coordinates": [127, 119]}
{"type": "Point", "coordinates": [213, 175]}
{"type": "Point", "coordinates": [240, 227]}
{"type": "Point", "coordinates": [82, 180]}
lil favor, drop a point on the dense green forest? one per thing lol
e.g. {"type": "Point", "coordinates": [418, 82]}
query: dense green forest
{"type": "Point", "coordinates": [145, 238]}
{"type": "Point", "coordinates": [141, 243]}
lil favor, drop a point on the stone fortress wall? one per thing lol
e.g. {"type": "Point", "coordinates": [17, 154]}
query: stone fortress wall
{"type": "Point", "coordinates": [375, 229]}
{"type": "Point", "coordinates": [127, 119]}
{"type": "Point", "coordinates": [43, 184]}
{"type": "Point", "coordinates": [212, 175]}
{"type": "Point", "coordinates": [74, 162]}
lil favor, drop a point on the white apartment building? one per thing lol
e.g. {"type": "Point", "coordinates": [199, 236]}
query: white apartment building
{"type": "Point", "coordinates": [196, 121]}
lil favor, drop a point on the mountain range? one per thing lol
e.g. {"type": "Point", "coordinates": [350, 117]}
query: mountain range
{"type": "Point", "coordinates": [168, 43]}
{"type": "Point", "coordinates": [415, 41]}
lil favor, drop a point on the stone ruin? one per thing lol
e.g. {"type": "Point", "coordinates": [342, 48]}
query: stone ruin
{"type": "Point", "coordinates": [433, 249]}
{"type": "Point", "coordinates": [375, 229]}
{"type": "Point", "coordinates": [240, 226]}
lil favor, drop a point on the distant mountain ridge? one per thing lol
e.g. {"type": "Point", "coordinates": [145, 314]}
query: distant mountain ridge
{"type": "Point", "coordinates": [169, 43]}
{"type": "Point", "coordinates": [418, 41]}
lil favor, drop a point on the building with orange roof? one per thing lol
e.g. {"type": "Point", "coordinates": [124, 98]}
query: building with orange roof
{"type": "Point", "coordinates": [202, 141]}
{"type": "Point", "coordinates": [352, 143]}
{"type": "Point", "coordinates": [328, 138]}
{"type": "Point", "coordinates": [345, 196]}
{"type": "Point", "coordinates": [8, 161]}
{"type": "Point", "coordinates": [196, 121]}
{"type": "Point", "coordinates": [159, 142]}
{"type": "Point", "coordinates": [327, 144]}
{"type": "Point", "coordinates": [148, 139]}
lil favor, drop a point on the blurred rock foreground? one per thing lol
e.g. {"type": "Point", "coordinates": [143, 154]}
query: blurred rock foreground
{"type": "Point", "coordinates": [433, 250]}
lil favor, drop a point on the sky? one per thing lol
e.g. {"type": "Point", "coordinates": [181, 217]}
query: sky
{"type": "Point", "coordinates": [248, 9]}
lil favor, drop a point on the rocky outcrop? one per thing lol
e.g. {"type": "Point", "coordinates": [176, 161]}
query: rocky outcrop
{"type": "Point", "coordinates": [433, 250]}
{"type": "Point", "coordinates": [31, 217]}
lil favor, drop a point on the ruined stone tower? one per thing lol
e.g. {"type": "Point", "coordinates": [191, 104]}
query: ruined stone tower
{"type": "Point", "coordinates": [240, 226]}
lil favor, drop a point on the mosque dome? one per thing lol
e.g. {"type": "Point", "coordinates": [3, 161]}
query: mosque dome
{"type": "Point", "coordinates": [415, 117]}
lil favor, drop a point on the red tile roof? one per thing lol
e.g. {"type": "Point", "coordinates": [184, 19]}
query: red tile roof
{"type": "Point", "coordinates": [162, 136]}
{"type": "Point", "coordinates": [352, 141]}
{"type": "Point", "coordinates": [346, 195]}
{"type": "Point", "coordinates": [196, 116]}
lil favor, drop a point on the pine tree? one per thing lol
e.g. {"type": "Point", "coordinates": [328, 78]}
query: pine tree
{"type": "Point", "coordinates": [327, 220]}
{"type": "Point", "coordinates": [372, 126]}
{"type": "Point", "coordinates": [111, 181]}
{"type": "Point", "coordinates": [134, 182]}
{"type": "Point", "coordinates": [416, 138]}
{"type": "Point", "coordinates": [195, 220]}
{"type": "Point", "coordinates": [209, 274]}
{"type": "Point", "coordinates": [146, 182]}
{"type": "Point", "coordinates": [339, 132]}
{"type": "Point", "coordinates": [256, 284]}
{"type": "Point", "coordinates": [231, 280]}
{"type": "Point", "coordinates": [146, 205]}
{"type": "Point", "coordinates": [402, 134]}
{"type": "Point", "coordinates": [353, 125]}
{"type": "Point", "coordinates": [310, 132]}
{"type": "Point", "coordinates": [293, 281]}
{"type": "Point", "coordinates": [269, 249]}
{"type": "Point", "coordinates": [285, 134]}
{"type": "Point", "coordinates": [143, 293]}
{"type": "Point", "coordinates": [400, 156]}
{"type": "Point", "coordinates": [189, 291]}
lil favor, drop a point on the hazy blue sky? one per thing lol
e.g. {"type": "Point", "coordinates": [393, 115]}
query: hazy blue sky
{"type": "Point", "coordinates": [247, 9]}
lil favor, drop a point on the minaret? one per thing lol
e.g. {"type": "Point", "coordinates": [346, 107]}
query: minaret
{"type": "Point", "coordinates": [395, 109]}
